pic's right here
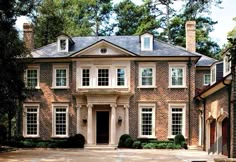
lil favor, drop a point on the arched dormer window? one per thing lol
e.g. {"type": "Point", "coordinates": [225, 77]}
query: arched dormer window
{"type": "Point", "coordinates": [146, 42]}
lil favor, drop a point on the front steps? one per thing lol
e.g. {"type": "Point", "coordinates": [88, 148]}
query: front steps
{"type": "Point", "coordinates": [100, 147]}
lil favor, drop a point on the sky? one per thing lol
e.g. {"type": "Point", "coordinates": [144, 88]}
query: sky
{"type": "Point", "coordinates": [224, 16]}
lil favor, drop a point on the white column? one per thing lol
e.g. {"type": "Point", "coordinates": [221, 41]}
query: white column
{"type": "Point", "coordinates": [126, 119]}
{"type": "Point", "coordinates": [89, 125]}
{"type": "Point", "coordinates": [113, 124]}
{"type": "Point", "coordinates": [78, 119]}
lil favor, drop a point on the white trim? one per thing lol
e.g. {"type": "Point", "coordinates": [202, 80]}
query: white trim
{"type": "Point", "coordinates": [64, 106]}
{"type": "Point", "coordinates": [56, 67]}
{"type": "Point", "coordinates": [59, 44]}
{"type": "Point", "coordinates": [226, 63]}
{"type": "Point", "coordinates": [25, 107]}
{"type": "Point", "coordinates": [170, 107]}
{"type": "Point", "coordinates": [33, 67]}
{"type": "Point", "coordinates": [204, 79]}
{"type": "Point", "coordinates": [145, 65]}
{"type": "Point", "coordinates": [177, 65]}
{"type": "Point", "coordinates": [213, 80]}
{"type": "Point", "coordinates": [100, 67]}
{"type": "Point", "coordinates": [147, 35]}
{"type": "Point", "coordinates": [140, 107]}
{"type": "Point", "coordinates": [81, 76]}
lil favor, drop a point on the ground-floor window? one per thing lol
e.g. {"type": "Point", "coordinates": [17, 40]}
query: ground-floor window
{"type": "Point", "coordinates": [176, 121]}
{"type": "Point", "coordinates": [147, 120]}
{"type": "Point", "coordinates": [60, 120]}
{"type": "Point", "coordinates": [31, 120]}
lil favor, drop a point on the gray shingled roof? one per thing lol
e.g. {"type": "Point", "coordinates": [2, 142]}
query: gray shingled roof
{"type": "Point", "coordinates": [129, 43]}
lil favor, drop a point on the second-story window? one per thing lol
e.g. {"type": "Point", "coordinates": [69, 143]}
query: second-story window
{"type": "Point", "coordinates": [120, 77]}
{"type": "Point", "coordinates": [207, 79]}
{"type": "Point", "coordinates": [60, 76]}
{"type": "Point", "coordinates": [177, 76]}
{"type": "Point", "coordinates": [86, 77]}
{"type": "Point", "coordinates": [213, 74]}
{"type": "Point", "coordinates": [147, 75]}
{"type": "Point", "coordinates": [227, 65]}
{"type": "Point", "coordinates": [32, 77]}
{"type": "Point", "coordinates": [103, 77]}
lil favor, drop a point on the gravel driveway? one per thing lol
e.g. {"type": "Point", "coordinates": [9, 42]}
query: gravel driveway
{"type": "Point", "coordinates": [119, 155]}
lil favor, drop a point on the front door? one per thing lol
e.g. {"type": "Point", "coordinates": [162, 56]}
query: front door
{"type": "Point", "coordinates": [102, 127]}
{"type": "Point", "coordinates": [225, 136]}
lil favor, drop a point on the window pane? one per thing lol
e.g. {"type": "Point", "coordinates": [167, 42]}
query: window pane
{"type": "Point", "coordinates": [103, 77]}
{"type": "Point", "coordinates": [146, 118]}
{"type": "Point", "coordinates": [86, 77]}
{"type": "Point", "coordinates": [63, 44]}
{"type": "Point", "coordinates": [177, 76]}
{"type": "Point", "coordinates": [146, 42]}
{"type": "Point", "coordinates": [60, 122]}
{"type": "Point", "coordinates": [120, 77]}
{"type": "Point", "coordinates": [61, 77]}
{"type": "Point", "coordinates": [31, 121]}
{"type": "Point", "coordinates": [147, 76]}
{"type": "Point", "coordinates": [177, 121]}
{"type": "Point", "coordinates": [207, 79]}
{"type": "Point", "coordinates": [32, 79]}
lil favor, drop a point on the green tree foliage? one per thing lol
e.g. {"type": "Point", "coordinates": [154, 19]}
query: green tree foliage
{"type": "Point", "coordinates": [232, 33]}
{"type": "Point", "coordinates": [133, 19]}
{"type": "Point", "coordinates": [74, 17]}
{"type": "Point", "coordinates": [12, 50]}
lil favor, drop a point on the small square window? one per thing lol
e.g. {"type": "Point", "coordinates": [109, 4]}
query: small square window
{"type": "Point", "coordinates": [207, 79]}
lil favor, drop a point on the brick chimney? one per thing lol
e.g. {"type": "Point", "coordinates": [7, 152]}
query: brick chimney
{"type": "Point", "coordinates": [28, 36]}
{"type": "Point", "coordinates": [190, 30]}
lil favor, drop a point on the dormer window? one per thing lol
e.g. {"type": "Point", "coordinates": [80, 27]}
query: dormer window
{"type": "Point", "coordinates": [227, 65]}
{"type": "Point", "coordinates": [63, 43]}
{"type": "Point", "coordinates": [146, 42]}
{"type": "Point", "coordinates": [213, 74]}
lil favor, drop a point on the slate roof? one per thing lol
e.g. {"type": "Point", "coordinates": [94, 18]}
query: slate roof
{"type": "Point", "coordinates": [129, 43]}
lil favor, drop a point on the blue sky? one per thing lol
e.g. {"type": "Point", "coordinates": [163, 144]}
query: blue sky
{"type": "Point", "coordinates": [223, 16]}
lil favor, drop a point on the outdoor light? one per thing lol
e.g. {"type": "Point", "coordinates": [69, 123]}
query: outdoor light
{"type": "Point", "coordinates": [119, 119]}
{"type": "Point", "coordinates": [84, 121]}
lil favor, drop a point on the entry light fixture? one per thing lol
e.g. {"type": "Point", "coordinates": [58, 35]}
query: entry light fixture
{"type": "Point", "coordinates": [119, 119]}
{"type": "Point", "coordinates": [84, 121]}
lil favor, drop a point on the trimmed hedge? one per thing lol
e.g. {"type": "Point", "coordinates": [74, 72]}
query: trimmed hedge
{"type": "Point", "coordinates": [179, 139]}
{"type": "Point", "coordinates": [125, 141]}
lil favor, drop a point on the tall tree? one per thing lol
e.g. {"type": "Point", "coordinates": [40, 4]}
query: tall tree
{"type": "Point", "coordinates": [133, 19]}
{"type": "Point", "coordinates": [12, 50]}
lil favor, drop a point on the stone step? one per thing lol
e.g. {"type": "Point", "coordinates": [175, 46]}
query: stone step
{"type": "Point", "coordinates": [100, 147]}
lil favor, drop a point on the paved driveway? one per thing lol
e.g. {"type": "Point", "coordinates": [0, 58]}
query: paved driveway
{"type": "Point", "coordinates": [120, 155]}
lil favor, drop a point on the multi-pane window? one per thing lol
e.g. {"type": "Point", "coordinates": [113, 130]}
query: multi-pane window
{"type": "Point", "coordinates": [176, 120]}
{"type": "Point", "coordinates": [31, 120]}
{"type": "Point", "coordinates": [60, 76]}
{"type": "Point", "coordinates": [60, 123]}
{"type": "Point", "coordinates": [120, 77]}
{"type": "Point", "coordinates": [207, 79]}
{"type": "Point", "coordinates": [32, 78]}
{"type": "Point", "coordinates": [213, 74]}
{"type": "Point", "coordinates": [146, 76]}
{"type": "Point", "coordinates": [103, 77]}
{"type": "Point", "coordinates": [86, 77]}
{"type": "Point", "coordinates": [147, 120]}
{"type": "Point", "coordinates": [177, 76]}
{"type": "Point", "coordinates": [146, 44]}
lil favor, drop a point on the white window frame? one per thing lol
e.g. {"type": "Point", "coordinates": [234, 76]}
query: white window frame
{"type": "Point", "coordinates": [150, 36]}
{"type": "Point", "coordinates": [32, 67]}
{"type": "Point", "coordinates": [204, 79]}
{"type": "Point", "coordinates": [227, 64]}
{"type": "Point", "coordinates": [90, 76]}
{"type": "Point", "coordinates": [56, 67]}
{"type": "Point", "coordinates": [25, 107]}
{"type": "Point", "coordinates": [170, 107]}
{"type": "Point", "coordinates": [109, 75]}
{"type": "Point", "coordinates": [179, 65]}
{"type": "Point", "coordinates": [59, 44]}
{"type": "Point", "coordinates": [60, 105]}
{"type": "Point", "coordinates": [140, 107]}
{"type": "Point", "coordinates": [213, 78]}
{"type": "Point", "coordinates": [144, 66]}
{"type": "Point", "coordinates": [125, 76]}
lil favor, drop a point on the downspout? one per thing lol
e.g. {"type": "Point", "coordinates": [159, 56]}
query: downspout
{"type": "Point", "coordinates": [229, 86]}
{"type": "Point", "coordinates": [204, 122]}
{"type": "Point", "coordinates": [189, 64]}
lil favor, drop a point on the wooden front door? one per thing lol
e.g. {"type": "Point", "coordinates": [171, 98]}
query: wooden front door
{"type": "Point", "coordinates": [102, 127]}
{"type": "Point", "coordinates": [225, 123]}
{"type": "Point", "coordinates": [212, 133]}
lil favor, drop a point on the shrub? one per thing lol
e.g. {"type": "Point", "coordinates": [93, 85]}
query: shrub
{"type": "Point", "coordinates": [76, 141]}
{"type": "Point", "coordinates": [184, 145]}
{"type": "Point", "coordinates": [161, 145]}
{"type": "Point", "coordinates": [122, 140]}
{"type": "Point", "coordinates": [3, 133]}
{"type": "Point", "coordinates": [137, 145]}
{"type": "Point", "coordinates": [128, 143]}
{"type": "Point", "coordinates": [179, 138]}
{"type": "Point", "coordinates": [150, 146]}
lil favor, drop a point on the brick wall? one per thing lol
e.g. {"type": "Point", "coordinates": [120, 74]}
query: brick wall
{"type": "Point", "coordinates": [200, 78]}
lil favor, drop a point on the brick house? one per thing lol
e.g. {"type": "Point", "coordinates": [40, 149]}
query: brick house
{"type": "Point", "coordinates": [103, 87]}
